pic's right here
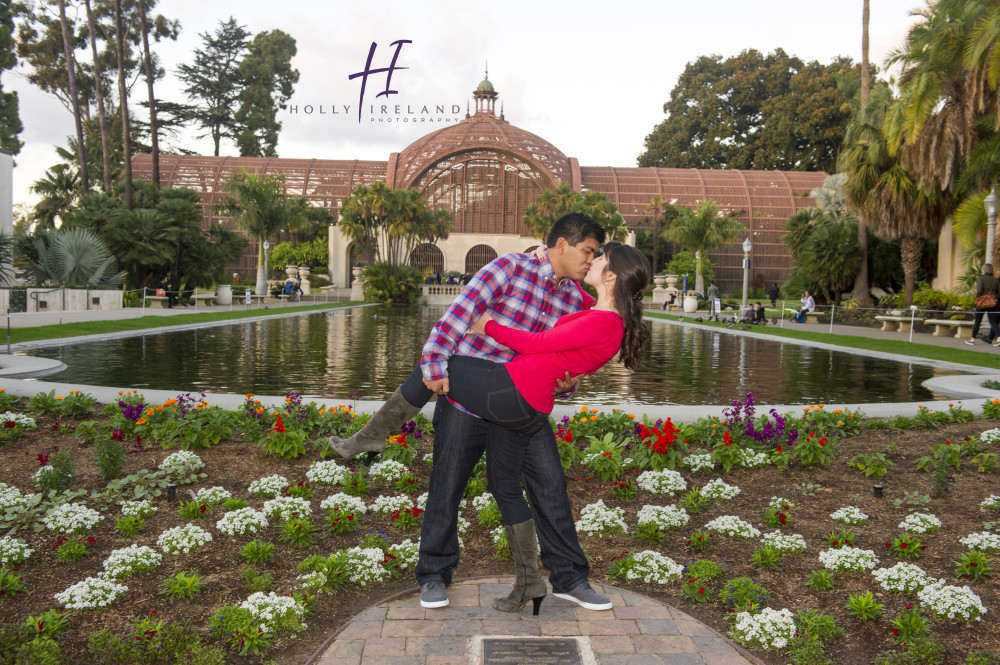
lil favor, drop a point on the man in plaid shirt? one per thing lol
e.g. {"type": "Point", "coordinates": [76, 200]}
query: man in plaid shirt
{"type": "Point", "coordinates": [530, 293]}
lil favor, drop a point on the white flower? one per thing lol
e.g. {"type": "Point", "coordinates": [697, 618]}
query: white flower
{"type": "Point", "coordinates": [666, 518]}
{"type": "Point", "coordinates": [406, 553]}
{"type": "Point", "coordinates": [386, 471]}
{"type": "Point", "coordinates": [181, 464]}
{"type": "Point", "coordinates": [345, 503]}
{"type": "Point", "coordinates": [364, 565]}
{"type": "Point", "coordinates": [131, 560]}
{"type": "Point", "coordinates": [42, 475]}
{"type": "Point", "coordinates": [183, 539]}
{"type": "Point", "coordinates": [952, 602]}
{"type": "Point", "coordinates": [778, 503]}
{"type": "Point", "coordinates": [661, 482]}
{"type": "Point", "coordinates": [782, 543]}
{"type": "Point", "coordinates": [483, 502]}
{"type": "Point", "coordinates": [11, 500]}
{"type": "Point", "coordinates": [848, 559]}
{"type": "Point", "coordinates": [769, 629]}
{"type": "Point", "coordinates": [849, 515]}
{"type": "Point", "coordinates": [920, 523]}
{"type": "Point", "coordinates": [984, 541]}
{"type": "Point", "coordinates": [284, 507]}
{"type": "Point", "coordinates": [596, 519]}
{"type": "Point", "coordinates": [274, 611]}
{"type": "Point", "coordinates": [71, 518]}
{"type": "Point", "coordinates": [718, 489]}
{"type": "Point", "coordinates": [390, 504]}
{"type": "Point", "coordinates": [91, 593]}
{"type": "Point", "coordinates": [13, 551]}
{"type": "Point", "coordinates": [269, 486]}
{"type": "Point", "coordinates": [730, 525]}
{"type": "Point", "coordinates": [654, 568]}
{"type": "Point", "coordinates": [699, 462]}
{"type": "Point", "coordinates": [241, 522]}
{"type": "Point", "coordinates": [902, 578]}
{"type": "Point", "coordinates": [327, 472]}
{"type": "Point", "coordinates": [141, 508]}
{"type": "Point", "coordinates": [213, 496]}
{"type": "Point", "coordinates": [992, 502]}
{"type": "Point", "coordinates": [315, 581]}
{"type": "Point", "coordinates": [752, 460]}
{"type": "Point", "coordinates": [990, 436]}
{"type": "Point", "coordinates": [25, 422]}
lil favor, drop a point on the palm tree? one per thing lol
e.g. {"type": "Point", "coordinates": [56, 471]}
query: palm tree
{"type": "Point", "coordinates": [260, 207]}
{"type": "Point", "coordinates": [655, 211]}
{"type": "Point", "coordinates": [123, 102]}
{"type": "Point", "coordinates": [702, 230]}
{"type": "Point", "coordinates": [862, 292]}
{"type": "Point", "coordinates": [75, 257]}
{"type": "Point", "coordinates": [143, 240]}
{"type": "Point", "coordinates": [59, 189]}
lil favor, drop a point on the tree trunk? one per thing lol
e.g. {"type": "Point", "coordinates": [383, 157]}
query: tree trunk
{"type": "Point", "coordinates": [656, 243]}
{"type": "Point", "coordinates": [147, 62]}
{"type": "Point", "coordinates": [81, 147]}
{"type": "Point", "coordinates": [699, 281]}
{"type": "Point", "coordinates": [261, 286]}
{"type": "Point", "coordinates": [123, 102]}
{"type": "Point", "coordinates": [862, 291]}
{"type": "Point", "coordinates": [910, 255]}
{"type": "Point", "coordinates": [866, 75]}
{"type": "Point", "coordinates": [102, 118]}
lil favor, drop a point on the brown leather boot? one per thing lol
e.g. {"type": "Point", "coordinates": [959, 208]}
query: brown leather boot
{"type": "Point", "coordinates": [372, 437]}
{"type": "Point", "coordinates": [528, 582]}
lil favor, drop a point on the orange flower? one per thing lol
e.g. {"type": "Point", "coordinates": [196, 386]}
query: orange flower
{"type": "Point", "coordinates": [630, 415]}
{"type": "Point", "coordinates": [141, 421]}
{"type": "Point", "coordinates": [149, 412]}
{"type": "Point", "coordinates": [159, 408]}
{"type": "Point", "coordinates": [260, 409]}
{"type": "Point", "coordinates": [322, 411]}
{"type": "Point", "coordinates": [593, 417]}
{"type": "Point", "coordinates": [593, 410]}
{"type": "Point", "coordinates": [170, 402]}
{"type": "Point", "coordinates": [822, 405]}
{"type": "Point", "coordinates": [248, 395]}
{"type": "Point", "coordinates": [59, 397]}
{"type": "Point", "coordinates": [838, 410]}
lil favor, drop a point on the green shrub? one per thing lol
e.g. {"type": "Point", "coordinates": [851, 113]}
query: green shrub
{"type": "Point", "coordinates": [387, 283]}
{"type": "Point", "coordinates": [110, 456]}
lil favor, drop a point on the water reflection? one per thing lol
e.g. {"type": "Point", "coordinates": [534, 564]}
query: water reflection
{"type": "Point", "coordinates": [371, 350]}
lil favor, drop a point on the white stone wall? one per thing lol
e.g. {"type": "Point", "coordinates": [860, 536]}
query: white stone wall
{"type": "Point", "coordinates": [73, 300]}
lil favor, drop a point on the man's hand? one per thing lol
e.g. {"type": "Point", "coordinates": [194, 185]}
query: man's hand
{"type": "Point", "coordinates": [563, 385]}
{"type": "Point", "coordinates": [440, 386]}
{"type": "Point", "coordinates": [479, 326]}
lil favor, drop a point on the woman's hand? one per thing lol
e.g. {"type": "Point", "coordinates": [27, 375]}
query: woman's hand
{"type": "Point", "coordinates": [479, 327]}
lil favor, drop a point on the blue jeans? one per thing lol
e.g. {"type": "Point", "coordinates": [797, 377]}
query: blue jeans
{"type": "Point", "coordinates": [459, 441]}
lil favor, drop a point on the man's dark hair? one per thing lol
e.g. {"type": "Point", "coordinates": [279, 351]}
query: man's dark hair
{"type": "Point", "coordinates": [575, 227]}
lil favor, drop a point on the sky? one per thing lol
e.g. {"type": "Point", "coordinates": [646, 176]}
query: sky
{"type": "Point", "coordinates": [590, 77]}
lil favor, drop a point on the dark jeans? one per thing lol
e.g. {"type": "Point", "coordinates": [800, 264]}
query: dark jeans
{"type": "Point", "coordinates": [801, 316]}
{"type": "Point", "coordinates": [992, 317]}
{"type": "Point", "coordinates": [459, 441]}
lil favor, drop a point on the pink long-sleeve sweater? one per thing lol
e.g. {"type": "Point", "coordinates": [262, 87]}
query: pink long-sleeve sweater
{"type": "Point", "coordinates": [579, 343]}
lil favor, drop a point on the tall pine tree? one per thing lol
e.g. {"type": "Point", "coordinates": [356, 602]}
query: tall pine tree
{"type": "Point", "coordinates": [270, 80]}
{"type": "Point", "coordinates": [213, 81]}
{"type": "Point", "coordinates": [10, 120]}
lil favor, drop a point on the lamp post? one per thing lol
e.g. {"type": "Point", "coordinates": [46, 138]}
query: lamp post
{"type": "Point", "coordinates": [991, 222]}
{"type": "Point", "coordinates": [747, 246]}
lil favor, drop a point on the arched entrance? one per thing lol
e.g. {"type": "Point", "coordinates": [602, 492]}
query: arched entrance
{"type": "Point", "coordinates": [426, 256]}
{"type": "Point", "coordinates": [477, 257]}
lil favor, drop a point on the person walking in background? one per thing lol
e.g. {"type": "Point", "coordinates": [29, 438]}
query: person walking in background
{"type": "Point", "coordinates": [712, 295]}
{"type": "Point", "coordinates": [986, 303]}
{"type": "Point", "coordinates": [773, 293]}
{"type": "Point", "coordinates": [808, 305]}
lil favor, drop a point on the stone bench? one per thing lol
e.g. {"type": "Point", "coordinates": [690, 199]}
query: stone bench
{"type": "Point", "coordinates": [943, 328]}
{"type": "Point", "coordinates": [896, 323]}
{"type": "Point", "coordinates": [164, 302]}
{"type": "Point", "coordinates": [813, 317]}
{"type": "Point", "coordinates": [204, 298]}
{"type": "Point", "coordinates": [159, 301]}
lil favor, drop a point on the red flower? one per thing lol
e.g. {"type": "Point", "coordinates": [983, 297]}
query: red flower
{"type": "Point", "coordinates": [728, 440]}
{"type": "Point", "coordinates": [701, 590]}
{"type": "Point", "coordinates": [888, 545]}
{"type": "Point", "coordinates": [91, 540]}
{"type": "Point", "coordinates": [902, 546]}
{"type": "Point", "coordinates": [278, 426]}
{"type": "Point", "coordinates": [779, 448]}
{"type": "Point", "coordinates": [10, 424]}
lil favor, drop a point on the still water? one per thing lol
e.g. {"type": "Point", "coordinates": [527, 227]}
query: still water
{"type": "Point", "coordinates": [369, 351]}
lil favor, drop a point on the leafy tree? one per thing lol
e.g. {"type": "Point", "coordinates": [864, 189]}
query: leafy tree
{"type": "Point", "coordinates": [752, 111]}
{"type": "Point", "coordinates": [685, 263]}
{"type": "Point", "coordinates": [75, 258]}
{"type": "Point", "coordinates": [387, 224]}
{"type": "Point", "coordinates": [59, 189]}
{"type": "Point", "coordinates": [10, 120]}
{"type": "Point", "coordinates": [702, 230]}
{"type": "Point", "coordinates": [314, 254]}
{"type": "Point", "coordinates": [213, 80]}
{"type": "Point", "coordinates": [269, 83]}
{"type": "Point", "coordinates": [825, 252]}
{"type": "Point", "coordinates": [552, 204]}
{"type": "Point", "coordinates": [259, 206]}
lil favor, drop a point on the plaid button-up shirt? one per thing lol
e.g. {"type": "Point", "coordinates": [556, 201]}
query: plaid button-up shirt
{"type": "Point", "coordinates": [520, 290]}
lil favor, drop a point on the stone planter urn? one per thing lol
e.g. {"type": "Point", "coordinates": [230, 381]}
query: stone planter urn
{"type": "Point", "coordinates": [356, 271]}
{"type": "Point", "coordinates": [690, 304]}
{"type": "Point", "coordinates": [671, 281]}
{"type": "Point", "coordinates": [659, 281]}
{"type": "Point", "coordinates": [304, 279]}
{"type": "Point", "coordinates": [292, 271]}
{"type": "Point", "coordinates": [223, 294]}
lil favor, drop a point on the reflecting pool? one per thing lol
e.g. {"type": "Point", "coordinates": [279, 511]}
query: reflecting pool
{"type": "Point", "coordinates": [370, 350]}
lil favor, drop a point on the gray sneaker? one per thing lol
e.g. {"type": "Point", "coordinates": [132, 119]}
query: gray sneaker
{"type": "Point", "coordinates": [433, 594]}
{"type": "Point", "coordinates": [585, 597]}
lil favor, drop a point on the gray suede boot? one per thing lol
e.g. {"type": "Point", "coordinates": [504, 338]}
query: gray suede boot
{"type": "Point", "coordinates": [372, 437]}
{"type": "Point", "coordinates": [528, 582]}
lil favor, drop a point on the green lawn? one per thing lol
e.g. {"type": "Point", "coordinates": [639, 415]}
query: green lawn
{"type": "Point", "coordinates": [901, 347]}
{"type": "Point", "coordinates": [18, 335]}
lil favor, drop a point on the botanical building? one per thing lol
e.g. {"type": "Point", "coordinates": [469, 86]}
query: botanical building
{"type": "Point", "coordinates": [486, 172]}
